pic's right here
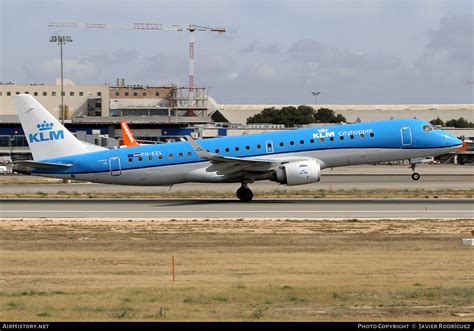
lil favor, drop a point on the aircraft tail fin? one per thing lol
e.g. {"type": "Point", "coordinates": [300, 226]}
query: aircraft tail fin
{"type": "Point", "coordinates": [127, 135]}
{"type": "Point", "coordinates": [46, 136]}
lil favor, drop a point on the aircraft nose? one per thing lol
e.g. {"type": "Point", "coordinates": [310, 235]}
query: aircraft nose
{"type": "Point", "coordinates": [451, 140]}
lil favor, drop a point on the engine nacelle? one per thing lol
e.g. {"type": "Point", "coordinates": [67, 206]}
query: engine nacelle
{"type": "Point", "coordinates": [299, 173]}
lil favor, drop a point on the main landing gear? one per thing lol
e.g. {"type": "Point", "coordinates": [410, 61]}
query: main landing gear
{"type": "Point", "coordinates": [244, 193]}
{"type": "Point", "coordinates": [414, 175]}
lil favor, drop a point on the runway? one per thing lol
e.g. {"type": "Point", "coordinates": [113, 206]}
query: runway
{"type": "Point", "coordinates": [433, 177]}
{"type": "Point", "coordinates": [260, 208]}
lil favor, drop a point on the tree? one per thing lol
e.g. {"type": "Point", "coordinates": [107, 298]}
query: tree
{"type": "Point", "coordinates": [326, 115]}
{"type": "Point", "coordinates": [291, 116]}
{"type": "Point", "coordinates": [437, 121]}
{"type": "Point", "coordinates": [460, 123]}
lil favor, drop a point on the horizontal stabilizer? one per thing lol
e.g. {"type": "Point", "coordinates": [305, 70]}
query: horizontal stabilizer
{"type": "Point", "coordinates": [42, 165]}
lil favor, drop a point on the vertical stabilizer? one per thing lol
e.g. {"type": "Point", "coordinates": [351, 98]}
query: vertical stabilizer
{"type": "Point", "coordinates": [127, 135]}
{"type": "Point", "coordinates": [46, 136]}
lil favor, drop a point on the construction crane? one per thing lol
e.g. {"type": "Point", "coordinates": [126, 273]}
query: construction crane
{"type": "Point", "coordinates": [191, 28]}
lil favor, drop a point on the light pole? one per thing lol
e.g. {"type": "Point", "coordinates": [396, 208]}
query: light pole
{"type": "Point", "coordinates": [61, 40]}
{"type": "Point", "coordinates": [315, 97]}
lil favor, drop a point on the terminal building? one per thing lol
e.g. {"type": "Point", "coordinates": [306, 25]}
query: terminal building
{"type": "Point", "coordinates": [167, 113]}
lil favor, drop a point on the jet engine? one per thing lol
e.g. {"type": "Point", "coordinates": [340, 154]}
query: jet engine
{"type": "Point", "coordinates": [299, 173]}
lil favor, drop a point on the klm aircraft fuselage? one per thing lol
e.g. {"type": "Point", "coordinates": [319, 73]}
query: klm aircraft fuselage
{"type": "Point", "coordinates": [333, 146]}
{"type": "Point", "coordinates": [291, 157]}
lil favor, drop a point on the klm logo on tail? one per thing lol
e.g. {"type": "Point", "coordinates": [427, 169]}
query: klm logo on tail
{"type": "Point", "coordinates": [46, 133]}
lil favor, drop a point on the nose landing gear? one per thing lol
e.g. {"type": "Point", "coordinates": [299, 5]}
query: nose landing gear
{"type": "Point", "coordinates": [244, 193]}
{"type": "Point", "coordinates": [414, 175]}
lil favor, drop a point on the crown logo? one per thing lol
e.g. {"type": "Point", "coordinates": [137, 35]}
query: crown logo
{"type": "Point", "coordinates": [45, 126]}
{"type": "Point", "coordinates": [322, 130]}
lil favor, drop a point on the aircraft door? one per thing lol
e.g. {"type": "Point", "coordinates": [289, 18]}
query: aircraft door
{"type": "Point", "coordinates": [407, 139]}
{"type": "Point", "coordinates": [269, 146]}
{"type": "Point", "coordinates": [114, 166]}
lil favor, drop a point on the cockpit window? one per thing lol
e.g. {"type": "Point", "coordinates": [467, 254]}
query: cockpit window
{"type": "Point", "coordinates": [427, 128]}
{"type": "Point", "coordinates": [434, 127]}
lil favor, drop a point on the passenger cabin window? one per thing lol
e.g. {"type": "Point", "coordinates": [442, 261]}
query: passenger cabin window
{"type": "Point", "coordinates": [130, 159]}
{"type": "Point", "coordinates": [282, 144]}
{"type": "Point", "coordinates": [362, 135]}
{"type": "Point", "coordinates": [216, 151]}
{"type": "Point", "coordinates": [247, 147]}
{"type": "Point", "coordinates": [321, 139]}
{"type": "Point", "coordinates": [372, 135]}
{"type": "Point", "coordinates": [188, 153]}
{"type": "Point", "coordinates": [259, 146]}
{"type": "Point", "coordinates": [341, 137]}
{"type": "Point", "coordinates": [236, 149]}
{"type": "Point", "coordinates": [150, 157]}
{"type": "Point", "coordinates": [351, 136]}
{"type": "Point", "coordinates": [160, 156]}
{"type": "Point", "coordinates": [301, 142]}
{"type": "Point", "coordinates": [170, 156]}
{"type": "Point", "coordinates": [331, 139]}
{"type": "Point", "coordinates": [140, 159]}
{"type": "Point", "coordinates": [292, 143]}
{"type": "Point", "coordinates": [311, 141]}
{"type": "Point", "coordinates": [180, 154]}
{"type": "Point", "coordinates": [227, 149]}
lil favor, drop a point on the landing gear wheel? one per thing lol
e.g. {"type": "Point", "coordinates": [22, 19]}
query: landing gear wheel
{"type": "Point", "coordinates": [244, 194]}
{"type": "Point", "coordinates": [415, 176]}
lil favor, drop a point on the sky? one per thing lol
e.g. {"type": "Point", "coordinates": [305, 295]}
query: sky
{"type": "Point", "coordinates": [351, 51]}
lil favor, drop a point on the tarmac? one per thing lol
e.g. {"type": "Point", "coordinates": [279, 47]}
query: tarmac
{"type": "Point", "coordinates": [366, 177]}
{"type": "Point", "coordinates": [229, 208]}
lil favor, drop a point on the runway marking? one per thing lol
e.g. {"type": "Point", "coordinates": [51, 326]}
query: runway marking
{"type": "Point", "coordinates": [233, 211]}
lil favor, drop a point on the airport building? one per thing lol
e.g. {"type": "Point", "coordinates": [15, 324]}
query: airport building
{"type": "Point", "coordinates": [166, 113]}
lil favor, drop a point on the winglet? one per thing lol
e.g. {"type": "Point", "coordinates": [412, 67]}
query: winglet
{"type": "Point", "coordinates": [199, 150]}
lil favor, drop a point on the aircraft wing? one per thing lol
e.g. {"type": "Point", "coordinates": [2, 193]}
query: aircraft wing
{"type": "Point", "coordinates": [236, 166]}
{"type": "Point", "coordinates": [216, 158]}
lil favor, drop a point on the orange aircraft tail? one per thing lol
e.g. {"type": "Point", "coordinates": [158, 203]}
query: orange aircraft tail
{"type": "Point", "coordinates": [127, 135]}
{"type": "Point", "coordinates": [463, 148]}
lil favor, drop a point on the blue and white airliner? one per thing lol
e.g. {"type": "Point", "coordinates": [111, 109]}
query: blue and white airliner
{"type": "Point", "coordinates": [292, 157]}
